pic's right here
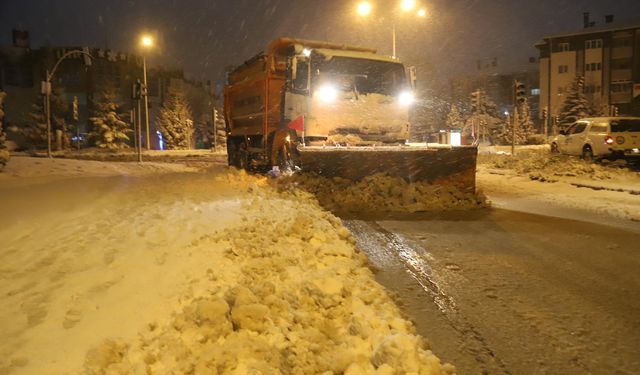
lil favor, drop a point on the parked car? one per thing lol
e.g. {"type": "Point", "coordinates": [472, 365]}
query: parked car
{"type": "Point", "coordinates": [600, 137]}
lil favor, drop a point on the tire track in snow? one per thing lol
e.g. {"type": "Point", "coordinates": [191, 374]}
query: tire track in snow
{"type": "Point", "coordinates": [384, 248]}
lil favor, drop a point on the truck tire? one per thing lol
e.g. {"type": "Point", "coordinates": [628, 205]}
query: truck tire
{"type": "Point", "coordinates": [237, 154]}
{"type": "Point", "coordinates": [283, 152]}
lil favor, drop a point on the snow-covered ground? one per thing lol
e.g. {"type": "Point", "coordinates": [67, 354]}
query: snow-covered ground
{"type": "Point", "coordinates": [536, 181]}
{"type": "Point", "coordinates": [22, 170]}
{"type": "Point", "coordinates": [115, 268]}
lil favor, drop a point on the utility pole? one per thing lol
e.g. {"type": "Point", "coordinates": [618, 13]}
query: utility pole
{"type": "Point", "coordinates": [76, 120]}
{"type": "Point", "coordinates": [46, 90]}
{"type": "Point", "coordinates": [545, 119]}
{"type": "Point", "coordinates": [136, 95]}
{"type": "Point", "coordinates": [214, 140]}
{"type": "Point", "coordinates": [519, 97]}
{"type": "Point", "coordinates": [145, 93]}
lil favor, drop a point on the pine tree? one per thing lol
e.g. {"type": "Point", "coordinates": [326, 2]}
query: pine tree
{"type": "Point", "coordinates": [175, 120]}
{"type": "Point", "coordinates": [454, 118]}
{"type": "Point", "coordinates": [576, 105]}
{"type": "Point", "coordinates": [526, 123]}
{"type": "Point", "coordinates": [485, 121]}
{"type": "Point", "coordinates": [35, 131]}
{"type": "Point", "coordinates": [505, 135]}
{"type": "Point", "coordinates": [4, 153]}
{"type": "Point", "coordinates": [109, 129]}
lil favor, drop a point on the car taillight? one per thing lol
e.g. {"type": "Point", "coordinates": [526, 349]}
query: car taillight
{"type": "Point", "coordinates": [608, 140]}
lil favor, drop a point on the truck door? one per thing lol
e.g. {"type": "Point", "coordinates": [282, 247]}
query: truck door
{"type": "Point", "coordinates": [297, 94]}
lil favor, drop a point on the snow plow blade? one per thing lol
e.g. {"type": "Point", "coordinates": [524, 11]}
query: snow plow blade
{"type": "Point", "coordinates": [442, 166]}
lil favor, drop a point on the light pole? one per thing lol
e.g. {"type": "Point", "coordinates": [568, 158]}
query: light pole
{"type": "Point", "coordinates": [147, 43]}
{"type": "Point", "coordinates": [46, 90]}
{"type": "Point", "coordinates": [365, 8]}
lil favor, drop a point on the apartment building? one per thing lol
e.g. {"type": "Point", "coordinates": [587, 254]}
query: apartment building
{"type": "Point", "coordinates": [608, 57]}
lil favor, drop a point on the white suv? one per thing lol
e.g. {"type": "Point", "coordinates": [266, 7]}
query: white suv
{"type": "Point", "coordinates": [600, 137]}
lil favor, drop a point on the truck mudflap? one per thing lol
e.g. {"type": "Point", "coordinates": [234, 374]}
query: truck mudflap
{"type": "Point", "coordinates": [440, 165]}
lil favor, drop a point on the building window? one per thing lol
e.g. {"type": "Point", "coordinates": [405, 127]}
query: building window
{"type": "Point", "coordinates": [592, 89]}
{"type": "Point", "coordinates": [620, 64]}
{"type": "Point", "coordinates": [563, 47]}
{"type": "Point", "coordinates": [593, 67]}
{"type": "Point", "coordinates": [591, 44]}
{"type": "Point", "coordinates": [535, 92]}
{"type": "Point", "coordinates": [563, 69]}
{"type": "Point", "coordinates": [622, 42]}
{"type": "Point", "coordinates": [624, 87]}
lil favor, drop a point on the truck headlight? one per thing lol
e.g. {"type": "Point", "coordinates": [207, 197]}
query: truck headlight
{"type": "Point", "coordinates": [406, 98]}
{"type": "Point", "coordinates": [327, 93]}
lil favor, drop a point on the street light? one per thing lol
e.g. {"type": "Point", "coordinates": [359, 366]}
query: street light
{"type": "Point", "coordinates": [365, 8]}
{"type": "Point", "coordinates": [408, 5]}
{"type": "Point", "coordinates": [46, 89]}
{"type": "Point", "coordinates": [147, 43]}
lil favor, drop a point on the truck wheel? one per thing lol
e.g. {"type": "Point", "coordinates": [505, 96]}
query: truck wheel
{"type": "Point", "coordinates": [286, 158]}
{"type": "Point", "coordinates": [243, 159]}
{"type": "Point", "coordinates": [283, 150]}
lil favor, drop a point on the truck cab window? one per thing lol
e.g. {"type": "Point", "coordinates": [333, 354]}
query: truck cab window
{"type": "Point", "coordinates": [302, 76]}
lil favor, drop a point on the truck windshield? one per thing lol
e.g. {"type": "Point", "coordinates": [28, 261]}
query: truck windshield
{"type": "Point", "coordinates": [362, 75]}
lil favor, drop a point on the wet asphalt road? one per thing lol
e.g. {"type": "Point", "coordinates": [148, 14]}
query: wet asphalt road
{"type": "Point", "coordinates": [501, 292]}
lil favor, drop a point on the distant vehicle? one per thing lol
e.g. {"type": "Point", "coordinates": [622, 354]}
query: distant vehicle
{"type": "Point", "coordinates": [600, 137]}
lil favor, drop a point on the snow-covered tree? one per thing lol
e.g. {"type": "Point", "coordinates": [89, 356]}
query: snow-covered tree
{"type": "Point", "coordinates": [526, 123]}
{"type": "Point", "coordinates": [4, 153]}
{"type": "Point", "coordinates": [35, 131]}
{"type": "Point", "coordinates": [484, 122]}
{"type": "Point", "coordinates": [454, 118]}
{"type": "Point", "coordinates": [505, 135]}
{"type": "Point", "coordinates": [109, 129]}
{"type": "Point", "coordinates": [175, 120]}
{"type": "Point", "coordinates": [576, 105]}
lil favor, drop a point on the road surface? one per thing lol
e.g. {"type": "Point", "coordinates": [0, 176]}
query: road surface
{"type": "Point", "coordinates": [504, 292]}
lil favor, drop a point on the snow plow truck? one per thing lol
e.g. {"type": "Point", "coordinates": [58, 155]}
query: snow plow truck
{"type": "Point", "coordinates": [334, 110]}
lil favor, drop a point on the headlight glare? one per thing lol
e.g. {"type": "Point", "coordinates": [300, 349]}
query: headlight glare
{"type": "Point", "coordinates": [327, 93]}
{"type": "Point", "coordinates": [406, 98]}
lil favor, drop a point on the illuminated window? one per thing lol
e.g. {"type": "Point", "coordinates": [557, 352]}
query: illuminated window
{"type": "Point", "coordinates": [591, 44]}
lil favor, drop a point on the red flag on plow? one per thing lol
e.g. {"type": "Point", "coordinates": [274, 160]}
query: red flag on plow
{"type": "Point", "coordinates": [297, 124]}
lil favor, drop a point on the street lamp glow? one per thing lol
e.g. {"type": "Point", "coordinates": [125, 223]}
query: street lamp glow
{"type": "Point", "coordinates": [408, 5]}
{"type": "Point", "coordinates": [422, 13]}
{"type": "Point", "coordinates": [364, 8]}
{"type": "Point", "coordinates": [147, 41]}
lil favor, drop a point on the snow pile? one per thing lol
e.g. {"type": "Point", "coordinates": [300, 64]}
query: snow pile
{"type": "Point", "coordinates": [285, 292]}
{"type": "Point", "coordinates": [383, 193]}
{"type": "Point", "coordinates": [543, 166]}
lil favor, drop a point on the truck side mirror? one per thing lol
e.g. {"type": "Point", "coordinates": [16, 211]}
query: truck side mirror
{"type": "Point", "coordinates": [413, 76]}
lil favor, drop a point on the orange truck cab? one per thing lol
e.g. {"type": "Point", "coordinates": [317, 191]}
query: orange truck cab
{"type": "Point", "coordinates": [303, 93]}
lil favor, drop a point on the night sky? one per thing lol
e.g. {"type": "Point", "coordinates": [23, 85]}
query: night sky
{"type": "Point", "coordinates": [204, 36]}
